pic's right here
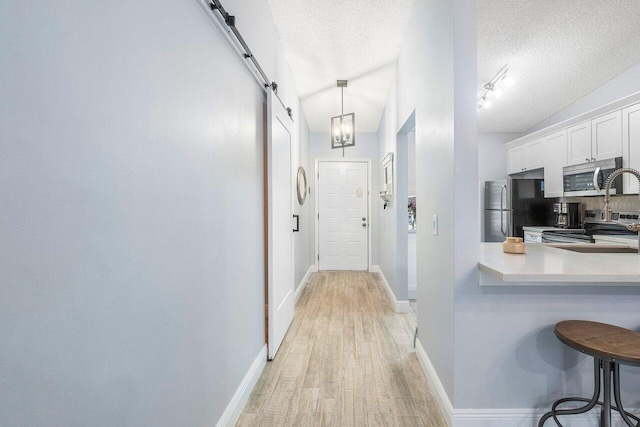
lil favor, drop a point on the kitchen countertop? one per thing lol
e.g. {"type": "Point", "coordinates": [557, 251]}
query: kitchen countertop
{"type": "Point", "coordinates": [544, 265]}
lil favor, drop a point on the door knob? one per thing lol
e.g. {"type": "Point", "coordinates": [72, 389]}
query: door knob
{"type": "Point", "coordinates": [364, 219]}
{"type": "Point", "coordinates": [364, 224]}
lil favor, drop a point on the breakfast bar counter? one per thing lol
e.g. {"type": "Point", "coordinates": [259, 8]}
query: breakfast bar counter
{"type": "Point", "coordinates": [544, 265]}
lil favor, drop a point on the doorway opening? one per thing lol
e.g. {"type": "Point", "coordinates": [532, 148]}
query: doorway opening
{"type": "Point", "coordinates": [406, 211]}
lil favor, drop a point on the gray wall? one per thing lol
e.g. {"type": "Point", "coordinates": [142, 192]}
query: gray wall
{"type": "Point", "coordinates": [303, 240]}
{"type": "Point", "coordinates": [441, 93]}
{"type": "Point", "coordinates": [131, 200]}
{"type": "Point", "coordinates": [366, 148]}
{"type": "Point", "coordinates": [387, 218]}
{"type": "Point", "coordinates": [625, 84]}
{"type": "Point", "coordinates": [492, 157]}
{"type": "Point", "coordinates": [508, 357]}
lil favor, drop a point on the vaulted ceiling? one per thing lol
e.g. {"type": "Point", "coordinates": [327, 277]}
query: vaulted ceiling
{"type": "Point", "coordinates": [557, 51]}
{"type": "Point", "coordinates": [329, 40]}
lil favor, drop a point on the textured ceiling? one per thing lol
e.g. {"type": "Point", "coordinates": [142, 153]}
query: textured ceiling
{"type": "Point", "coordinates": [356, 40]}
{"type": "Point", "coordinates": [557, 51]}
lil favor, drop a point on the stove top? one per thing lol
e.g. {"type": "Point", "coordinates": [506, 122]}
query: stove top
{"type": "Point", "coordinates": [564, 237]}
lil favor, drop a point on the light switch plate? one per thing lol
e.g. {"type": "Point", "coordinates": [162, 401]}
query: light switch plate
{"type": "Point", "coordinates": [434, 225]}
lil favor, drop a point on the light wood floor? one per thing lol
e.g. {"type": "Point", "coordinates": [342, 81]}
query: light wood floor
{"type": "Point", "coordinates": [347, 360]}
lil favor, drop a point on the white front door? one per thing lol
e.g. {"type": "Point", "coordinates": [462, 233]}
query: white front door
{"type": "Point", "coordinates": [343, 223]}
{"type": "Point", "coordinates": [281, 298]}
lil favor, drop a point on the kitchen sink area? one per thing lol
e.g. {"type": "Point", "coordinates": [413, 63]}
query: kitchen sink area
{"type": "Point", "coordinates": [597, 249]}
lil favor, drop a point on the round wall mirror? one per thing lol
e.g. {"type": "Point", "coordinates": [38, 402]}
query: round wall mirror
{"type": "Point", "coordinates": [302, 185]}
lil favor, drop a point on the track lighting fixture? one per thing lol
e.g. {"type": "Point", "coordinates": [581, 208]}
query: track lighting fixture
{"type": "Point", "coordinates": [495, 88]}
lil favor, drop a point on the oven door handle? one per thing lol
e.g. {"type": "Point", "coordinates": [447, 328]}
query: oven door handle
{"type": "Point", "coordinates": [596, 175]}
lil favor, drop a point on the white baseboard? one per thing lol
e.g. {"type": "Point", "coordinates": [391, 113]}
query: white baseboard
{"type": "Point", "coordinates": [401, 306]}
{"type": "Point", "coordinates": [525, 418]}
{"type": "Point", "coordinates": [434, 382]}
{"type": "Point", "coordinates": [517, 417]}
{"type": "Point", "coordinates": [412, 292]}
{"type": "Point", "coordinates": [305, 280]}
{"type": "Point", "coordinates": [240, 397]}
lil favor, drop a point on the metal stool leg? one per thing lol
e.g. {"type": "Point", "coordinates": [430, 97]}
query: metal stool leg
{"type": "Point", "coordinates": [616, 394]}
{"type": "Point", "coordinates": [605, 414]}
{"type": "Point", "coordinates": [590, 403]}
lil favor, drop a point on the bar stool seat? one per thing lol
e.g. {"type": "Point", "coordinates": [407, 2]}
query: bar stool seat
{"type": "Point", "coordinates": [609, 346]}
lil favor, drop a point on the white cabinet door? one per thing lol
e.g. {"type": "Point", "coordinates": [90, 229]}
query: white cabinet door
{"type": "Point", "coordinates": [556, 160]}
{"type": "Point", "coordinates": [606, 136]}
{"type": "Point", "coordinates": [516, 159]}
{"type": "Point", "coordinates": [579, 143]}
{"type": "Point", "coordinates": [631, 144]}
{"type": "Point", "coordinates": [536, 155]}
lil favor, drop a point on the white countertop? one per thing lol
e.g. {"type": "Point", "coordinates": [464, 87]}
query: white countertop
{"type": "Point", "coordinates": [546, 265]}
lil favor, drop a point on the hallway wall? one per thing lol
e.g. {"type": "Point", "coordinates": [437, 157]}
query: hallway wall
{"type": "Point", "coordinates": [303, 241]}
{"type": "Point", "coordinates": [388, 218]}
{"type": "Point", "coordinates": [442, 92]}
{"type": "Point", "coordinates": [131, 210]}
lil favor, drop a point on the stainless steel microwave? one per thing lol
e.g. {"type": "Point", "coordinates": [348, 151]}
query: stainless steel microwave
{"type": "Point", "coordinates": [588, 179]}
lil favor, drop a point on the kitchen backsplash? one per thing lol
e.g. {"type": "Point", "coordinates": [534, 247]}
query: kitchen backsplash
{"type": "Point", "coordinates": [625, 203]}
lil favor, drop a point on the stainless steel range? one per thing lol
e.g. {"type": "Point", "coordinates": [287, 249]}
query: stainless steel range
{"type": "Point", "coordinates": [594, 224]}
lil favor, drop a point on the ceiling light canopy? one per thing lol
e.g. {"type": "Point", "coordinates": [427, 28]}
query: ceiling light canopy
{"type": "Point", "coordinates": [343, 127]}
{"type": "Point", "coordinates": [495, 88]}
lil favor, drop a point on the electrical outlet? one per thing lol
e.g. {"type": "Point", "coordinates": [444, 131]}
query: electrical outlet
{"type": "Point", "coordinates": [434, 225]}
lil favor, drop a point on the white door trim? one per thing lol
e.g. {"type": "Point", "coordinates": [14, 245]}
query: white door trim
{"type": "Point", "coordinates": [317, 201]}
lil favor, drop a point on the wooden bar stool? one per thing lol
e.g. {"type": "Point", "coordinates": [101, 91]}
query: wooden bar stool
{"type": "Point", "coordinates": [610, 346]}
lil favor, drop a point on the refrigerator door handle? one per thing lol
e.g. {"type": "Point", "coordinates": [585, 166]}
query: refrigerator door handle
{"type": "Point", "coordinates": [502, 192]}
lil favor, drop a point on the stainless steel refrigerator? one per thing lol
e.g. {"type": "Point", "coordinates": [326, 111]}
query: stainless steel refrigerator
{"type": "Point", "coordinates": [512, 204]}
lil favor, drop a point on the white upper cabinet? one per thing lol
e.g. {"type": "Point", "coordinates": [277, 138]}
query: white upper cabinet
{"type": "Point", "coordinates": [556, 159]}
{"type": "Point", "coordinates": [516, 159]}
{"type": "Point", "coordinates": [536, 154]}
{"type": "Point", "coordinates": [579, 143]}
{"type": "Point", "coordinates": [631, 146]}
{"type": "Point", "coordinates": [597, 139]}
{"type": "Point", "coordinates": [527, 157]}
{"type": "Point", "coordinates": [606, 136]}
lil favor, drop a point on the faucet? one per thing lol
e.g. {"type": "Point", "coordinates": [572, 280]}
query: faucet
{"type": "Point", "coordinates": [607, 199]}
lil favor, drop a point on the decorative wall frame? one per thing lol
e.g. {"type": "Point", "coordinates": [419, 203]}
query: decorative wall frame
{"type": "Point", "coordinates": [301, 185]}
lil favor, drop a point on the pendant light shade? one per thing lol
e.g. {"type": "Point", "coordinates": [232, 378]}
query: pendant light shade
{"type": "Point", "coordinates": [343, 127]}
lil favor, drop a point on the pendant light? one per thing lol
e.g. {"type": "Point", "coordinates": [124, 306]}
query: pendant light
{"type": "Point", "coordinates": [343, 127]}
